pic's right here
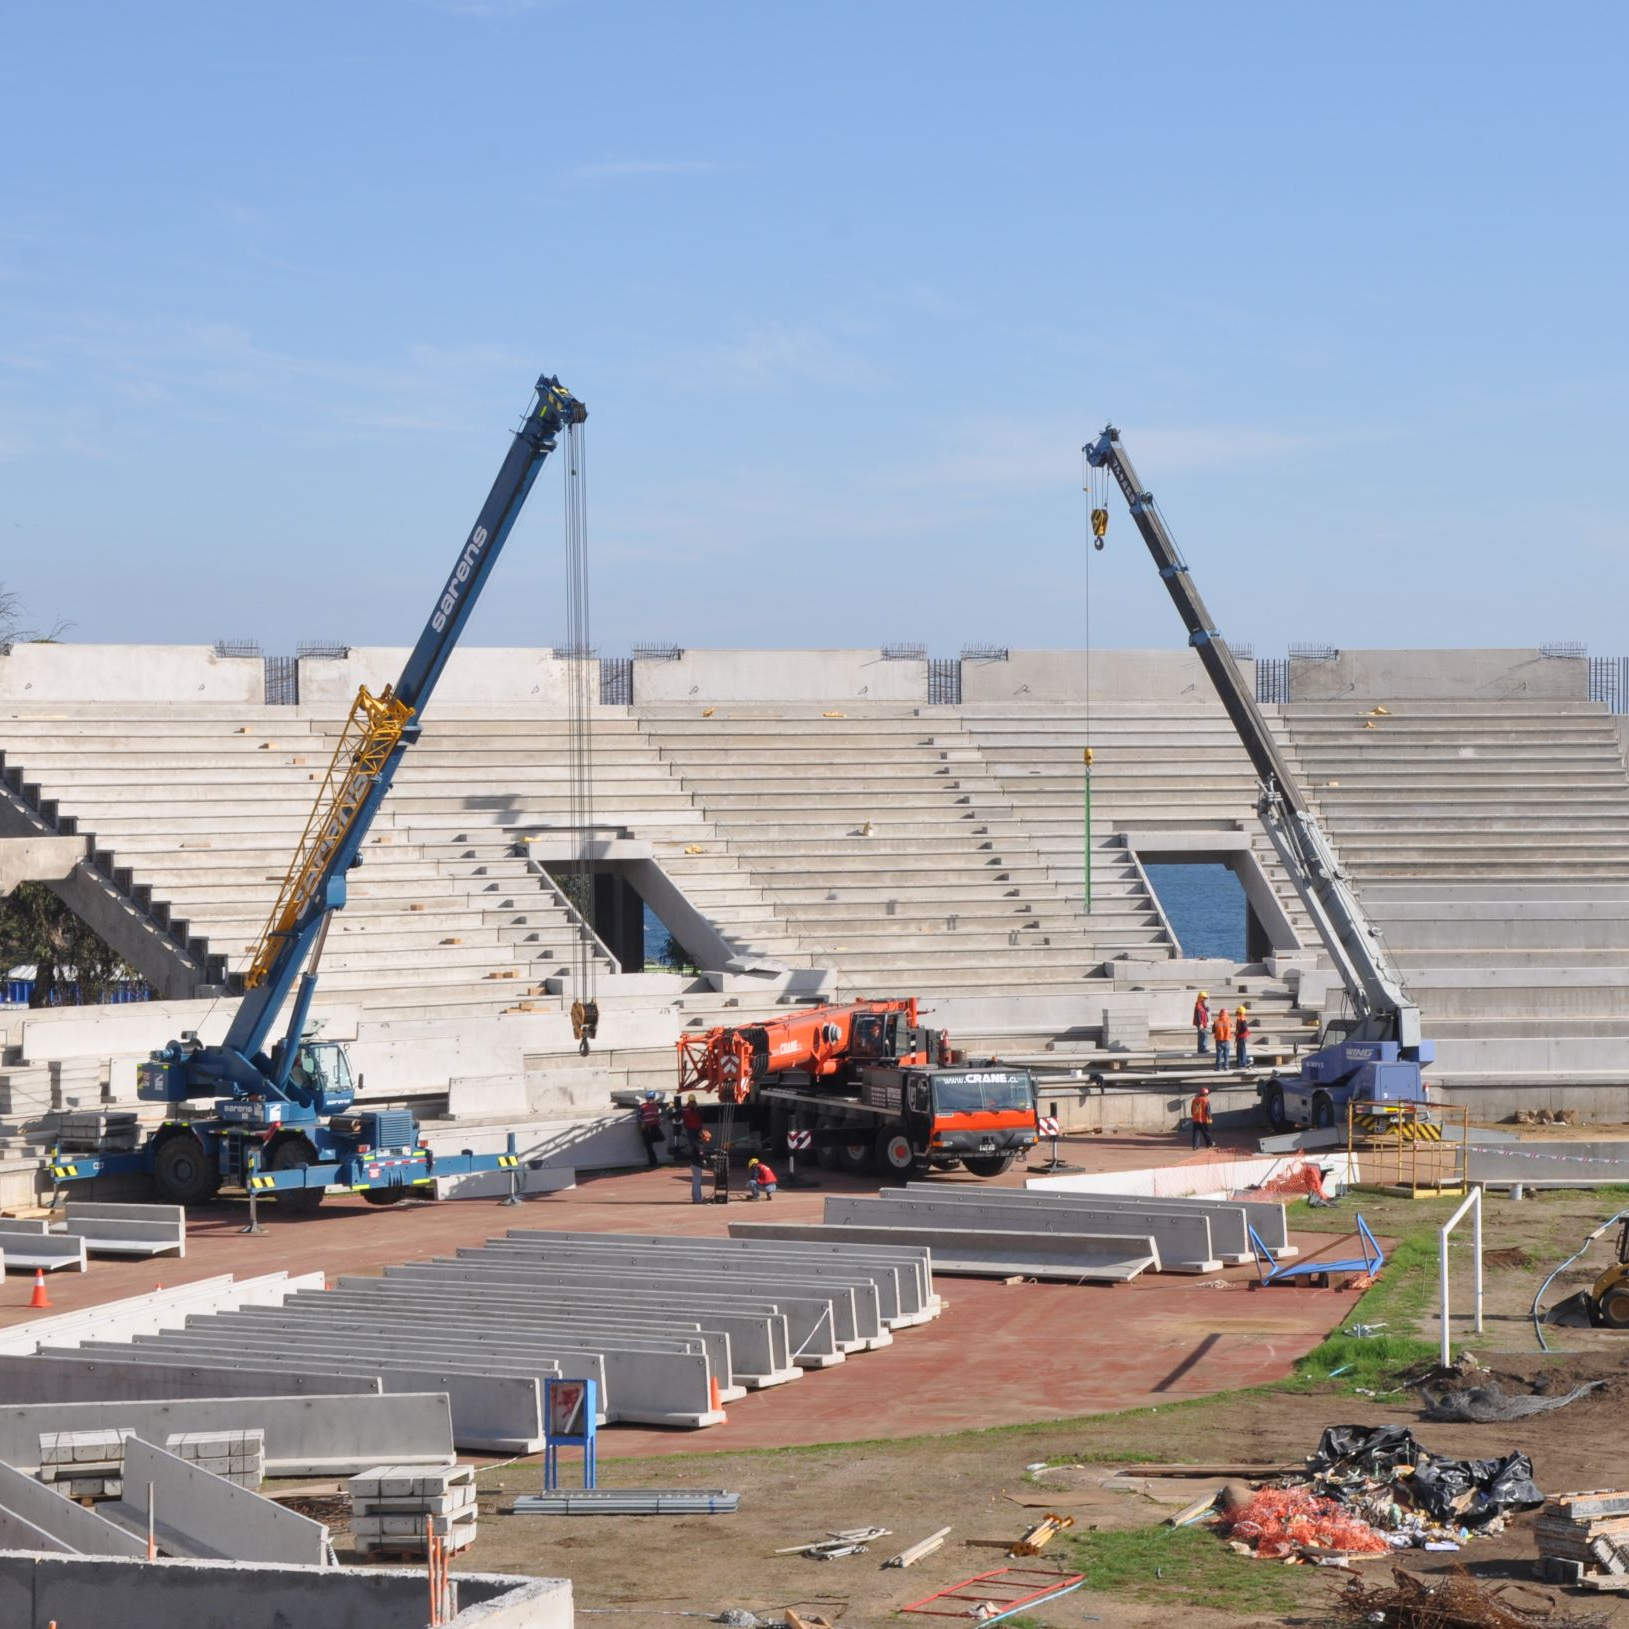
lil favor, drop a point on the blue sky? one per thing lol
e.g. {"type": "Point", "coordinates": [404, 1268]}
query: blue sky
{"type": "Point", "coordinates": [845, 288]}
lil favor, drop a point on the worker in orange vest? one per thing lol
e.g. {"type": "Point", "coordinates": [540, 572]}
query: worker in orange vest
{"type": "Point", "coordinates": [1201, 1021]}
{"type": "Point", "coordinates": [1221, 1032]}
{"type": "Point", "coordinates": [1199, 1114]}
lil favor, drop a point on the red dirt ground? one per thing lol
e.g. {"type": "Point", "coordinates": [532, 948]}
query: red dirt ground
{"type": "Point", "coordinates": [1001, 1354]}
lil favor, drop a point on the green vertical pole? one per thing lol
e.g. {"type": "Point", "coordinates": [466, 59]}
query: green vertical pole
{"type": "Point", "coordinates": [1086, 800]}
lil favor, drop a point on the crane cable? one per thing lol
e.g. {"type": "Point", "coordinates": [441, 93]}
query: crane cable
{"type": "Point", "coordinates": [1095, 482]}
{"type": "Point", "coordinates": [581, 674]}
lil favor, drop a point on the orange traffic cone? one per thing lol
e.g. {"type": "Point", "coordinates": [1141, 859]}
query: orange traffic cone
{"type": "Point", "coordinates": [41, 1299]}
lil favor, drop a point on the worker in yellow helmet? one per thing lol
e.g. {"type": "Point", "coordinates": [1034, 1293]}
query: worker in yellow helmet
{"type": "Point", "coordinates": [1201, 1021]}
{"type": "Point", "coordinates": [1241, 1038]}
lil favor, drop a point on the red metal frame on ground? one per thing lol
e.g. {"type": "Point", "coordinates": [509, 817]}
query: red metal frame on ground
{"type": "Point", "coordinates": [986, 1586]}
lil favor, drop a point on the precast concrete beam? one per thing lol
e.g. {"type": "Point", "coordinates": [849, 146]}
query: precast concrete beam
{"type": "Point", "coordinates": [65, 1377]}
{"type": "Point", "coordinates": [1265, 1216]}
{"type": "Point", "coordinates": [74, 1529]}
{"type": "Point", "coordinates": [491, 1413]}
{"type": "Point", "coordinates": [984, 1253]}
{"type": "Point", "coordinates": [1229, 1224]}
{"type": "Point", "coordinates": [305, 1436]}
{"type": "Point", "coordinates": [48, 1251]}
{"type": "Point", "coordinates": [856, 1318]}
{"type": "Point", "coordinates": [802, 1321]}
{"type": "Point", "coordinates": [1182, 1243]}
{"type": "Point", "coordinates": [918, 1300]}
{"type": "Point", "coordinates": [197, 1514]}
{"type": "Point", "coordinates": [870, 1295]}
{"type": "Point", "coordinates": [126, 1230]}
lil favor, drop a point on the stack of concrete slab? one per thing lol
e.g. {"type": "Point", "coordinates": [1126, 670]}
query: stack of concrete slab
{"type": "Point", "coordinates": [106, 1131]}
{"type": "Point", "coordinates": [394, 1508]}
{"type": "Point", "coordinates": [1102, 1238]}
{"type": "Point", "coordinates": [234, 1456]}
{"type": "Point", "coordinates": [671, 1330]}
{"type": "Point", "coordinates": [84, 1464]}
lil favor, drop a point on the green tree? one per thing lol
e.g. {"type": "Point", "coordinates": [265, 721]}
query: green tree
{"type": "Point", "coordinates": [35, 926]}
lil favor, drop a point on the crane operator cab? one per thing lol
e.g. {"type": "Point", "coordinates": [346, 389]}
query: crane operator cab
{"type": "Point", "coordinates": [320, 1077]}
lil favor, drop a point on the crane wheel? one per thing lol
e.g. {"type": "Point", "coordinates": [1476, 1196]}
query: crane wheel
{"type": "Point", "coordinates": [1323, 1112]}
{"type": "Point", "coordinates": [295, 1155]}
{"type": "Point", "coordinates": [183, 1172]}
{"type": "Point", "coordinates": [387, 1196]}
{"type": "Point", "coordinates": [1273, 1107]}
{"type": "Point", "coordinates": [988, 1165]}
{"type": "Point", "coordinates": [895, 1158]}
{"type": "Point", "coordinates": [857, 1158]}
{"type": "Point", "coordinates": [1614, 1307]}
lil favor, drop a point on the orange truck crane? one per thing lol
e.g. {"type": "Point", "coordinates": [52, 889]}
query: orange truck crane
{"type": "Point", "coordinates": [864, 1086]}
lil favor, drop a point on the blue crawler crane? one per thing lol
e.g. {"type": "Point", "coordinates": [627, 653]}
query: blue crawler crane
{"type": "Point", "coordinates": [283, 1123]}
{"type": "Point", "coordinates": [1374, 1055]}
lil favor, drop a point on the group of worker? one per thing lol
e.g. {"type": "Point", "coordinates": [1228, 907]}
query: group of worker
{"type": "Point", "coordinates": [1230, 1032]}
{"type": "Point", "coordinates": [689, 1125]}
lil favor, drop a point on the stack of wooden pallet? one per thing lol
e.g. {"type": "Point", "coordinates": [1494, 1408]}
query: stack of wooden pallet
{"type": "Point", "coordinates": [1583, 1539]}
{"type": "Point", "coordinates": [394, 1509]}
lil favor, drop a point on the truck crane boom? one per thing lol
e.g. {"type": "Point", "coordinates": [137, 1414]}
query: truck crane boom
{"type": "Point", "coordinates": [1383, 1008]}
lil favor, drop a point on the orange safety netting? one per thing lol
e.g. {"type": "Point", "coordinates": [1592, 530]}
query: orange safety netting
{"type": "Point", "coordinates": [1279, 1521]}
{"type": "Point", "coordinates": [1301, 1177]}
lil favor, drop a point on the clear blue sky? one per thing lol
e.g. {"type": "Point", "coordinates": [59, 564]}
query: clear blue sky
{"type": "Point", "coordinates": [845, 287]}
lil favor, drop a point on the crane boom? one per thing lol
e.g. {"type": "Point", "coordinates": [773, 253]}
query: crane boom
{"type": "Point", "coordinates": [1382, 1006]}
{"type": "Point", "coordinates": [379, 731]}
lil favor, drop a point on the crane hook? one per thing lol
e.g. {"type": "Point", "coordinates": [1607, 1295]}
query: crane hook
{"type": "Point", "coordinates": [1100, 527]}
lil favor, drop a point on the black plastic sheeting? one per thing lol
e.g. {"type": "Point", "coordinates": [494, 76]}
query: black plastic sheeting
{"type": "Point", "coordinates": [1469, 1492]}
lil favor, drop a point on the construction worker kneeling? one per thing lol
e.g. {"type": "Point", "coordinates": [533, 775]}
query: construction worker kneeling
{"type": "Point", "coordinates": [761, 1181]}
{"type": "Point", "coordinates": [1199, 1114]}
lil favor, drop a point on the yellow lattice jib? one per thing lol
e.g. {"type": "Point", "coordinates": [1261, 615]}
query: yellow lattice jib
{"type": "Point", "coordinates": [370, 735]}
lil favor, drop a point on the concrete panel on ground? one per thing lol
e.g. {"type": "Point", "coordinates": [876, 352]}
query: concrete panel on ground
{"type": "Point", "coordinates": [37, 1591]}
{"type": "Point", "coordinates": [205, 1517]}
{"type": "Point", "coordinates": [1230, 1220]}
{"type": "Point", "coordinates": [757, 1353]}
{"type": "Point", "coordinates": [305, 1436]}
{"type": "Point", "coordinates": [795, 1319]}
{"type": "Point", "coordinates": [985, 1253]}
{"type": "Point", "coordinates": [1182, 1243]}
{"type": "Point", "coordinates": [67, 1377]}
{"type": "Point", "coordinates": [856, 1314]}
{"type": "Point", "coordinates": [75, 1530]}
{"type": "Point", "coordinates": [27, 1251]}
{"type": "Point", "coordinates": [126, 1230]}
{"type": "Point", "coordinates": [903, 1282]}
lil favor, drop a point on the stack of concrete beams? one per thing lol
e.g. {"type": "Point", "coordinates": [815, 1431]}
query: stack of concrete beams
{"type": "Point", "coordinates": [672, 1330]}
{"type": "Point", "coordinates": [394, 1508]}
{"type": "Point", "coordinates": [234, 1456]}
{"type": "Point", "coordinates": [995, 1232]}
{"type": "Point", "coordinates": [84, 1464]}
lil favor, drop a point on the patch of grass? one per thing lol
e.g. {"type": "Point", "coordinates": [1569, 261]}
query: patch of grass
{"type": "Point", "coordinates": [1186, 1564]}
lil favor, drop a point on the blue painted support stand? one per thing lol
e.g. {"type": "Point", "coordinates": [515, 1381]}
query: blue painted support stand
{"type": "Point", "coordinates": [570, 1420]}
{"type": "Point", "coordinates": [1273, 1272]}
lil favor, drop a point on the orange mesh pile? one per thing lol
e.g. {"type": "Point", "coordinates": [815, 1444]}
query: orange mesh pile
{"type": "Point", "coordinates": [1300, 1178]}
{"type": "Point", "coordinates": [1279, 1521]}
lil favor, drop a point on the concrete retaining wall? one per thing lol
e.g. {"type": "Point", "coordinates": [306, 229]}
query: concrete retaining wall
{"type": "Point", "coordinates": [832, 676]}
{"type": "Point", "coordinates": [305, 1436]}
{"type": "Point", "coordinates": [1440, 675]}
{"type": "Point", "coordinates": [129, 673]}
{"type": "Point", "coordinates": [473, 674]}
{"type": "Point", "coordinates": [1115, 676]}
{"type": "Point", "coordinates": [37, 1591]}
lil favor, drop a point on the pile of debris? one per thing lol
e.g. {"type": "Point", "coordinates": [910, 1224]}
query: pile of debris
{"type": "Point", "coordinates": [1583, 1539]}
{"type": "Point", "coordinates": [1543, 1117]}
{"type": "Point", "coordinates": [1454, 1602]}
{"type": "Point", "coordinates": [1368, 1489]}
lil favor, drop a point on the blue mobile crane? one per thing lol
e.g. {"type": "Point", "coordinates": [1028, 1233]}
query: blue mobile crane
{"type": "Point", "coordinates": [283, 1122]}
{"type": "Point", "coordinates": [1375, 1054]}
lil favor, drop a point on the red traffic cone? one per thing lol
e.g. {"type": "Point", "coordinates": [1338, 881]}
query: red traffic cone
{"type": "Point", "coordinates": [41, 1299]}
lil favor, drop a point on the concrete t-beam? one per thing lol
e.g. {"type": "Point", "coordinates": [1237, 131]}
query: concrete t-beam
{"type": "Point", "coordinates": [38, 859]}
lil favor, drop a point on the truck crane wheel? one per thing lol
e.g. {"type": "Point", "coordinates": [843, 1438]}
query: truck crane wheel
{"type": "Point", "coordinates": [1323, 1111]}
{"type": "Point", "coordinates": [1273, 1107]}
{"type": "Point", "coordinates": [858, 1158]}
{"type": "Point", "coordinates": [895, 1157]}
{"type": "Point", "coordinates": [183, 1172]}
{"type": "Point", "coordinates": [295, 1155]}
{"type": "Point", "coordinates": [1614, 1308]}
{"type": "Point", "coordinates": [393, 1195]}
{"type": "Point", "coordinates": [988, 1164]}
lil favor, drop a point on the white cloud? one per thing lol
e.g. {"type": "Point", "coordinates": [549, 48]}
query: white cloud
{"type": "Point", "coordinates": [628, 169]}
{"type": "Point", "coordinates": [767, 355]}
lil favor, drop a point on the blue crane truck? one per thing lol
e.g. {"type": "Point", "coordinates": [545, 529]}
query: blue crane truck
{"type": "Point", "coordinates": [283, 1122]}
{"type": "Point", "coordinates": [1375, 1054]}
